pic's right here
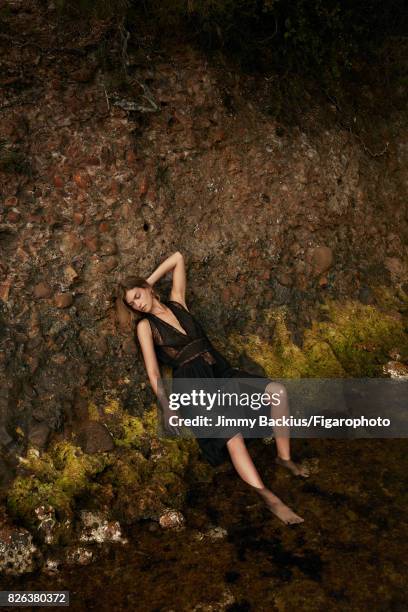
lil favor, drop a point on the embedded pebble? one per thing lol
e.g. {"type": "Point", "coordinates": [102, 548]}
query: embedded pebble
{"type": "Point", "coordinates": [97, 528]}
{"type": "Point", "coordinates": [172, 519]}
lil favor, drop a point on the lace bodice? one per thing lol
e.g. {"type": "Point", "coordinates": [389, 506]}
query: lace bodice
{"type": "Point", "coordinates": [175, 348]}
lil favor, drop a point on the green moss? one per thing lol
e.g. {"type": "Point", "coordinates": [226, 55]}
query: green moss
{"type": "Point", "coordinates": [130, 431]}
{"type": "Point", "coordinates": [54, 478]}
{"type": "Point", "coordinates": [28, 493]}
{"type": "Point", "coordinates": [128, 470]}
{"type": "Point", "coordinates": [93, 412]}
{"type": "Point", "coordinates": [174, 456]}
{"type": "Point", "coordinates": [361, 336]}
{"type": "Point", "coordinates": [354, 341]}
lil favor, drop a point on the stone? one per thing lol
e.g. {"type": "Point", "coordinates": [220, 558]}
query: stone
{"type": "Point", "coordinates": [81, 179]}
{"type": "Point", "coordinates": [63, 300]}
{"type": "Point", "coordinates": [38, 434]}
{"type": "Point", "coordinates": [5, 290]}
{"type": "Point", "coordinates": [10, 202]}
{"type": "Point", "coordinates": [70, 244]}
{"type": "Point", "coordinates": [70, 274]}
{"type": "Point", "coordinates": [17, 551]}
{"type": "Point", "coordinates": [94, 437]}
{"type": "Point", "coordinates": [104, 227]}
{"type": "Point", "coordinates": [322, 259]}
{"type": "Point", "coordinates": [97, 528]}
{"type": "Point", "coordinates": [78, 218]}
{"type": "Point", "coordinates": [13, 216]}
{"type": "Point", "coordinates": [171, 519]}
{"type": "Point", "coordinates": [396, 369]}
{"type": "Point", "coordinates": [42, 290]}
{"type": "Point", "coordinates": [79, 555]}
{"type": "Point", "coordinates": [92, 243]}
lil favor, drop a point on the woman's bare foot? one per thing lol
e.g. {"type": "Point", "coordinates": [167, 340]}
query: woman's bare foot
{"type": "Point", "coordinates": [295, 468]}
{"type": "Point", "coordinates": [277, 507]}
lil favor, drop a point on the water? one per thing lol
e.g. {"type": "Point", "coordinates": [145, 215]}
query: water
{"type": "Point", "coordinates": [349, 554]}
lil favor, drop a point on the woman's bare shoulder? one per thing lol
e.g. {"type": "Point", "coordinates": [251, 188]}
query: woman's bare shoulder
{"type": "Point", "coordinates": [143, 327]}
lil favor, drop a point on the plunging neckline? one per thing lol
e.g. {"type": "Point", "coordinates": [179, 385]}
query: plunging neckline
{"type": "Point", "coordinates": [170, 325]}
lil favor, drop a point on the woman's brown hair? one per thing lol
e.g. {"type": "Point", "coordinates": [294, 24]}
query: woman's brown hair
{"type": "Point", "coordinates": [127, 316]}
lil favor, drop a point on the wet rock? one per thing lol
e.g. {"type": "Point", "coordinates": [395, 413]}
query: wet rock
{"type": "Point", "coordinates": [42, 290]}
{"type": "Point", "coordinates": [79, 555]}
{"type": "Point", "coordinates": [13, 216]}
{"type": "Point", "coordinates": [38, 434]}
{"type": "Point", "coordinates": [63, 300]}
{"type": "Point", "coordinates": [17, 551]}
{"type": "Point", "coordinates": [396, 369]}
{"type": "Point", "coordinates": [172, 519]}
{"type": "Point", "coordinates": [97, 528]}
{"type": "Point", "coordinates": [70, 245]}
{"type": "Point", "coordinates": [78, 218]}
{"type": "Point", "coordinates": [92, 243]}
{"type": "Point", "coordinates": [58, 182]}
{"type": "Point", "coordinates": [5, 290]}
{"type": "Point", "coordinates": [70, 274]}
{"type": "Point", "coordinates": [212, 534]}
{"type": "Point", "coordinates": [81, 179]}
{"type": "Point", "coordinates": [52, 565]}
{"type": "Point", "coordinates": [94, 437]}
{"type": "Point", "coordinates": [321, 259]}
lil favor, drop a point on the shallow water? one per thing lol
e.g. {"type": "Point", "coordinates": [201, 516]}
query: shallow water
{"type": "Point", "coordinates": [349, 554]}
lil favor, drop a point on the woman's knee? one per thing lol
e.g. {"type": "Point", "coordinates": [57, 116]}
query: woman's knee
{"type": "Point", "coordinates": [235, 441]}
{"type": "Point", "coordinates": [277, 391]}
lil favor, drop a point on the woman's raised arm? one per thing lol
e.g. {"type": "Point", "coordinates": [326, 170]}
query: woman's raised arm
{"type": "Point", "coordinates": [176, 263]}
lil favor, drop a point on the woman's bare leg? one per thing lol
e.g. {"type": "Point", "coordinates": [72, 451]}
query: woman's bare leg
{"type": "Point", "coordinates": [245, 467]}
{"type": "Point", "coordinates": [280, 408]}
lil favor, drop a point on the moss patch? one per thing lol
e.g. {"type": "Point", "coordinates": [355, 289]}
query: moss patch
{"type": "Point", "coordinates": [354, 340]}
{"type": "Point", "coordinates": [54, 479]}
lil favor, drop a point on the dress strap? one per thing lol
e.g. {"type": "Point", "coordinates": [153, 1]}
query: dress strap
{"type": "Point", "coordinates": [178, 304]}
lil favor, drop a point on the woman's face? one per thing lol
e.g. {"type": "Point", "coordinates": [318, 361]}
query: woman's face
{"type": "Point", "coordinates": [139, 298]}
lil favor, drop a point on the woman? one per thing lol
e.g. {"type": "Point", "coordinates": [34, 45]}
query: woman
{"type": "Point", "coordinates": [168, 333]}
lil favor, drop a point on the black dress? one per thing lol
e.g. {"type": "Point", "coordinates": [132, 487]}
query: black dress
{"type": "Point", "coordinates": [192, 355]}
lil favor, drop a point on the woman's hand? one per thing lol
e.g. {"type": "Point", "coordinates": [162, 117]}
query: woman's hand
{"type": "Point", "coordinates": [172, 429]}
